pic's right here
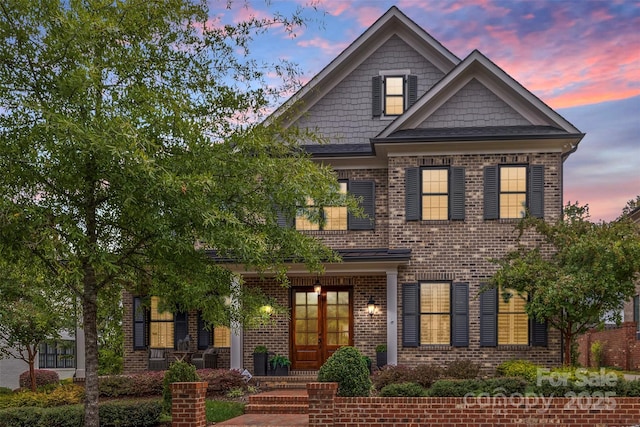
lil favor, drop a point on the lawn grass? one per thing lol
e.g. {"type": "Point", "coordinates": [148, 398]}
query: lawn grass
{"type": "Point", "coordinates": [219, 410]}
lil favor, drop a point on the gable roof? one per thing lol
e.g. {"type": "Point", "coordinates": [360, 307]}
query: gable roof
{"type": "Point", "coordinates": [393, 22]}
{"type": "Point", "coordinates": [479, 67]}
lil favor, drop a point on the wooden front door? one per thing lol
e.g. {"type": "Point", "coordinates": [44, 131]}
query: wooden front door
{"type": "Point", "coordinates": [320, 325]}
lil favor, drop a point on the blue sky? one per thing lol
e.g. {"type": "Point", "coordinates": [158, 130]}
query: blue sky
{"type": "Point", "coordinates": [581, 57]}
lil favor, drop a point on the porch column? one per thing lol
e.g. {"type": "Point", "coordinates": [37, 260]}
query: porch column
{"type": "Point", "coordinates": [236, 331]}
{"type": "Point", "coordinates": [392, 316]}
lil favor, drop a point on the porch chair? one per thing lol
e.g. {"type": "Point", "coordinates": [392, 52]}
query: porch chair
{"type": "Point", "coordinates": [207, 359]}
{"type": "Point", "coordinates": [158, 359]}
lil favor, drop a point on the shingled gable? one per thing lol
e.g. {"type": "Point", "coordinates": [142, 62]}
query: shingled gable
{"type": "Point", "coordinates": [539, 122]}
{"type": "Point", "coordinates": [392, 23]}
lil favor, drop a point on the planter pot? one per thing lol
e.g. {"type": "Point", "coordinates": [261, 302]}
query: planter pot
{"type": "Point", "coordinates": [381, 359]}
{"type": "Point", "coordinates": [281, 371]}
{"type": "Point", "coordinates": [260, 364]}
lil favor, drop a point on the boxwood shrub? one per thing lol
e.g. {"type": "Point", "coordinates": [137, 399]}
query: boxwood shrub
{"type": "Point", "coordinates": [403, 390]}
{"type": "Point", "coordinates": [44, 378]}
{"type": "Point", "coordinates": [347, 367]}
{"type": "Point", "coordinates": [518, 368]}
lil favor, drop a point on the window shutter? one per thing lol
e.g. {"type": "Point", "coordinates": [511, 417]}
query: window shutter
{"type": "Point", "coordinates": [491, 193]}
{"type": "Point", "coordinates": [376, 96]}
{"type": "Point", "coordinates": [538, 333]}
{"type": "Point", "coordinates": [412, 90]}
{"type": "Point", "coordinates": [489, 318]}
{"type": "Point", "coordinates": [284, 220]}
{"type": "Point", "coordinates": [410, 315]}
{"type": "Point", "coordinates": [366, 191]}
{"type": "Point", "coordinates": [460, 318]}
{"type": "Point", "coordinates": [204, 334]}
{"type": "Point", "coordinates": [457, 193]}
{"type": "Point", "coordinates": [536, 191]}
{"type": "Point", "coordinates": [139, 324]}
{"type": "Point", "coordinates": [180, 328]}
{"type": "Point", "coordinates": [412, 194]}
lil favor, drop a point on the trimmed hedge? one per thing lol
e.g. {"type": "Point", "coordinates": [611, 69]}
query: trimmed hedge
{"type": "Point", "coordinates": [63, 395]}
{"type": "Point", "coordinates": [112, 414]}
{"type": "Point", "coordinates": [518, 368]}
{"type": "Point", "coordinates": [403, 390]}
{"type": "Point", "coordinates": [347, 367]}
{"type": "Point", "coordinates": [177, 372]}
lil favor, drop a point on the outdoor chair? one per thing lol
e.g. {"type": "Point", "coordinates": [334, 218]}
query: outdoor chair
{"type": "Point", "coordinates": [207, 359]}
{"type": "Point", "coordinates": [158, 359]}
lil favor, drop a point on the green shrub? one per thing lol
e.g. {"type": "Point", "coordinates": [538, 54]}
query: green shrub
{"type": "Point", "coordinates": [348, 369]}
{"type": "Point", "coordinates": [403, 390]}
{"type": "Point", "coordinates": [519, 368]}
{"type": "Point", "coordinates": [425, 375]}
{"type": "Point", "coordinates": [455, 388]}
{"type": "Point", "coordinates": [5, 390]}
{"type": "Point", "coordinates": [504, 385]}
{"type": "Point", "coordinates": [178, 372]}
{"type": "Point", "coordinates": [130, 414]}
{"type": "Point", "coordinates": [63, 395]}
{"type": "Point", "coordinates": [44, 377]}
{"type": "Point", "coordinates": [135, 385]}
{"type": "Point", "coordinates": [597, 353]}
{"type": "Point", "coordinates": [221, 381]}
{"type": "Point", "coordinates": [462, 369]}
{"type": "Point", "coordinates": [391, 374]}
{"type": "Point", "coordinates": [112, 414]}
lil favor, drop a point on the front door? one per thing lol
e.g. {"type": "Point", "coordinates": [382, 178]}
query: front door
{"type": "Point", "coordinates": [320, 325]}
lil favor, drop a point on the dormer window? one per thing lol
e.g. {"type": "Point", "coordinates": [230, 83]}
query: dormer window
{"type": "Point", "coordinates": [393, 92]}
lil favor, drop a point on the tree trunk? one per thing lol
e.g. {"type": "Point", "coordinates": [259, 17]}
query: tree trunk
{"type": "Point", "coordinates": [568, 338]}
{"type": "Point", "coordinates": [90, 316]}
{"type": "Point", "coordinates": [32, 369]}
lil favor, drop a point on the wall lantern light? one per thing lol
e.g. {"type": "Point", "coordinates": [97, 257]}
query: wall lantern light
{"type": "Point", "coordinates": [317, 287]}
{"type": "Point", "coordinates": [371, 306]}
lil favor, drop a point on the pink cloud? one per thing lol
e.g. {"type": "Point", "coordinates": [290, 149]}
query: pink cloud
{"type": "Point", "coordinates": [327, 47]}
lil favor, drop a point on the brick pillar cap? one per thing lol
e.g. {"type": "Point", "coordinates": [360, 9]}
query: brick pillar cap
{"type": "Point", "coordinates": [322, 386]}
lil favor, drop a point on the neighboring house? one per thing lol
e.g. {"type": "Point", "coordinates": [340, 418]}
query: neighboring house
{"type": "Point", "coordinates": [446, 155]}
{"type": "Point", "coordinates": [632, 308]}
{"type": "Point", "coordinates": [65, 356]}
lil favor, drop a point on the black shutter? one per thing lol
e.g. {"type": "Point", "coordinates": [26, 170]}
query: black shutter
{"type": "Point", "coordinates": [491, 193]}
{"type": "Point", "coordinates": [366, 191]}
{"type": "Point", "coordinates": [411, 315]}
{"type": "Point", "coordinates": [204, 334]}
{"type": "Point", "coordinates": [284, 220]}
{"type": "Point", "coordinates": [412, 90]}
{"type": "Point", "coordinates": [460, 315]}
{"type": "Point", "coordinates": [139, 324]}
{"type": "Point", "coordinates": [457, 193]}
{"type": "Point", "coordinates": [376, 96]}
{"type": "Point", "coordinates": [412, 194]}
{"type": "Point", "coordinates": [180, 328]}
{"type": "Point", "coordinates": [489, 318]}
{"type": "Point", "coordinates": [538, 333]}
{"type": "Point", "coordinates": [536, 191]}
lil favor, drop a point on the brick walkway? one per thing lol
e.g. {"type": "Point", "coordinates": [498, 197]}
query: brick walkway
{"type": "Point", "coordinates": [280, 408]}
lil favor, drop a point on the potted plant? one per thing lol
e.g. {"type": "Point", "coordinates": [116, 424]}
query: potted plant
{"type": "Point", "coordinates": [260, 358]}
{"type": "Point", "coordinates": [381, 355]}
{"type": "Point", "coordinates": [280, 365]}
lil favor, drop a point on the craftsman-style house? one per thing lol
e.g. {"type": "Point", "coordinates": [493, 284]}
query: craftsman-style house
{"type": "Point", "coordinates": [447, 155]}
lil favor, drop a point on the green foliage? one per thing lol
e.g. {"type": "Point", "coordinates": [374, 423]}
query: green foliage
{"type": "Point", "coordinates": [462, 369]}
{"type": "Point", "coordinates": [221, 380]}
{"type": "Point", "coordinates": [519, 368]}
{"type": "Point", "coordinates": [5, 390]}
{"type": "Point", "coordinates": [235, 392]}
{"type": "Point", "coordinates": [63, 395]}
{"type": "Point", "coordinates": [348, 369]}
{"type": "Point", "coordinates": [149, 383]}
{"type": "Point", "coordinates": [392, 374]}
{"type": "Point", "coordinates": [279, 360]}
{"type": "Point", "coordinates": [403, 390]}
{"type": "Point", "coordinates": [218, 411]}
{"type": "Point", "coordinates": [455, 388]}
{"type": "Point", "coordinates": [381, 348]}
{"type": "Point", "coordinates": [261, 349]}
{"type": "Point", "coordinates": [44, 377]}
{"type": "Point", "coordinates": [578, 271]}
{"type": "Point", "coordinates": [505, 386]}
{"type": "Point", "coordinates": [177, 372]}
{"type": "Point", "coordinates": [597, 353]}
{"type": "Point", "coordinates": [112, 414]}
{"type": "Point", "coordinates": [131, 140]}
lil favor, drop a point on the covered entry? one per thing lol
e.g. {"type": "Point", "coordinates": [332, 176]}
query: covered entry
{"type": "Point", "coordinates": [321, 323]}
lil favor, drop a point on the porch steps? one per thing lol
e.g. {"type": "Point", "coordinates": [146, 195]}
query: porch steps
{"type": "Point", "coordinates": [295, 380]}
{"type": "Point", "coordinates": [282, 401]}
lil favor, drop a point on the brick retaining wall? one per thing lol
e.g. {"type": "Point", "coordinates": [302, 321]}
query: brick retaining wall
{"type": "Point", "coordinates": [467, 412]}
{"type": "Point", "coordinates": [188, 407]}
{"type": "Point", "coordinates": [621, 347]}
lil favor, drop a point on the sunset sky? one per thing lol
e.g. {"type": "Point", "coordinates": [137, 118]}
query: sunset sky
{"type": "Point", "coordinates": [581, 57]}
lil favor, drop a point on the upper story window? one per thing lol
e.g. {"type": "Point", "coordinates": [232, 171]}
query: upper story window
{"type": "Point", "coordinates": [512, 190]}
{"type": "Point", "coordinates": [336, 217]}
{"type": "Point", "coordinates": [435, 193]}
{"type": "Point", "coordinates": [393, 92]}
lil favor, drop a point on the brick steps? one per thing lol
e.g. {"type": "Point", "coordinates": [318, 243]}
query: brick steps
{"type": "Point", "coordinates": [282, 401]}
